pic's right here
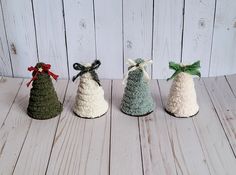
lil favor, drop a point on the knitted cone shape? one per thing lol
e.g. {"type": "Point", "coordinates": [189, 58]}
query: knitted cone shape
{"type": "Point", "coordinates": [137, 99]}
{"type": "Point", "coordinates": [182, 99]}
{"type": "Point", "coordinates": [90, 102]}
{"type": "Point", "coordinates": [43, 102]}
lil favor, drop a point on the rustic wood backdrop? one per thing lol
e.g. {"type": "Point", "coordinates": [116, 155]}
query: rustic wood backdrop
{"type": "Point", "coordinates": [62, 32]}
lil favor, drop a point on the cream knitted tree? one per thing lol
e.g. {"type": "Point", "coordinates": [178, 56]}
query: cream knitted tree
{"type": "Point", "coordinates": [182, 99]}
{"type": "Point", "coordinates": [89, 102]}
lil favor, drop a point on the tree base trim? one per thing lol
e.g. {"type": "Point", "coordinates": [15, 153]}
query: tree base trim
{"type": "Point", "coordinates": [143, 115]}
{"type": "Point", "coordinates": [89, 117]}
{"type": "Point", "coordinates": [170, 113]}
{"type": "Point", "coordinates": [40, 118]}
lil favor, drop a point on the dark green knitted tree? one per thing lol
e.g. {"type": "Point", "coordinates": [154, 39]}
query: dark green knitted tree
{"type": "Point", "coordinates": [137, 99]}
{"type": "Point", "coordinates": [43, 102]}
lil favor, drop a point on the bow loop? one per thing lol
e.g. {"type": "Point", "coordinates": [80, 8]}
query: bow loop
{"type": "Point", "coordinates": [46, 67]}
{"type": "Point", "coordinates": [96, 64]}
{"type": "Point", "coordinates": [31, 68]}
{"type": "Point", "coordinates": [133, 66]}
{"type": "Point", "coordinates": [192, 69]}
{"type": "Point", "coordinates": [78, 66]}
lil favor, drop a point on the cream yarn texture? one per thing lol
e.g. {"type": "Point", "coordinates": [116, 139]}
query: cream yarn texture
{"type": "Point", "coordinates": [182, 99]}
{"type": "Point", "coordinates": [90, 102]}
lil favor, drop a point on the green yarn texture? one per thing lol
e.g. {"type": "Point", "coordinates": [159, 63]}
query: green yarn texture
{"type": "Point", "coordinates": [43, 102]}
{"type": "Point", "coordinates": [137, 99]}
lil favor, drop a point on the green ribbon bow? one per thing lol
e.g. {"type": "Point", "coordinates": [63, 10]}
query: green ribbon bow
{"type": "Point", "coordinates": [190, 69]}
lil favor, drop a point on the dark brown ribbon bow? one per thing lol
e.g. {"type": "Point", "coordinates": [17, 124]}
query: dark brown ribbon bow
{"type": "Point", "coordinates": [83, 69]}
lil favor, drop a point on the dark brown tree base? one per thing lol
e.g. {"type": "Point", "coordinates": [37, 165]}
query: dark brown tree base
{"type": "Point", "coordinates": [178, 116]}
{"type": "Point", "coordinates": [89, 117]}
{"type": "Point", "coordinates": [144, 115]}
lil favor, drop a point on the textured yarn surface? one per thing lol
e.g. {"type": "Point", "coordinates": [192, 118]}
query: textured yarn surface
{"type": "Point", "coordinates": [90, 102]}
{"type": "Point", "coordinates": [182, 99]}
{"type": "Point", "coordinates": [43, 102]}
{"type": "Point", "coordinates": [137, 99]}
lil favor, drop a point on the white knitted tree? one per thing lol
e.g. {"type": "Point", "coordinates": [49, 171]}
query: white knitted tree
{"type": "Point", "coordinates": [90, 102]}
{"type": "Point", "coordinates": [182, 99]}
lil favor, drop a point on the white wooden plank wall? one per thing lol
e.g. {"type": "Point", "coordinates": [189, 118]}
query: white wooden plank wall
{"type": "Point", "coordinates": [137, 29]}
{"type": "Point", "coordinates": [50, 33]}
{"type": "Point", "coordinates": [80, 32]}
{"type": "Point", "coordinates": [5, 61]}
{"type": "Point", "coordinates": [61, 32]}
{"type": "Point", "coordinates": [108, 21]}
{"type": "Point", "coordinates": [167, 34]}
{"type": "Point", "coordinates": [197, 36]}
{"type": "Point", "coordinates": [223, 58]}
{"type": "Point", "coordinates": [20, 31]}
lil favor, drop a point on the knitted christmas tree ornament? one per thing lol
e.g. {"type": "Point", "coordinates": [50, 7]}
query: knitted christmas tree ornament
{"type": "Point", "coordinates": [137, 99]}
{"type": "Point", "coordinates": [182, 99]}
{"type": "Point", "coordinates": [43, 102]}
{"type": "Point", "coordinates": [89, 102]}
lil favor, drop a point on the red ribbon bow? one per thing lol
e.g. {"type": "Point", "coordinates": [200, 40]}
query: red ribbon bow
{"type": "Point", "coordinates": [45, 68]}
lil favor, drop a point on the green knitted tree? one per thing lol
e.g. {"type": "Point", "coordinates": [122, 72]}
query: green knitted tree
{"type": "Point", "coordinates": [137, 99]}
{"type": "Point", "coordinates": [43, 102]}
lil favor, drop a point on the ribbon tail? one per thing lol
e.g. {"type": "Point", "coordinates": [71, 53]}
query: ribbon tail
{"type": "Point", "coordinates": [54, 76]}
{"type": "Point", "coordinates": [145, 75]}
{"type": "Point", "coordinates": [76, 76]}
{"type": "Point", "coordinates": [125, 78]}
{"type": "Point", "coordinates": [127, 74]}
{"type": "Point", "coordinates": [28, 84]}
{"type": "Point", "coordinates": [32, 79]}
{"type": "Point", "coordinates": [149, 61]}
{"type": "Point", "coordinates": [131, 62]}
{"type": "Point", "coordinates": [174, 75]}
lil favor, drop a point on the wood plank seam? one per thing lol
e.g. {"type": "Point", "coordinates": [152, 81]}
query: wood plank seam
{"type": "Point", "coordinates": [229, 85]}
{"type": "Point", "coordinates": [152, 44]}
{"type": "Point", "coordinates": [168, 132]}
{"type": "Point", "coordinates": [220, 120]}
{"type": "Point", "coordinates": [22, 146]}
{"type": "Point", "coordinates": [65, 35]}
{"type": "Point", "coordinates": [35, 30]}
{"type": "Point", "coordinates": [182, 34]}
{"type": "Point", "coordinates": [203, 152]}
{"type": "Point", "coordinates": [212, 38]}
{"type": "Point", "coordinates": [4, 26]}
{"type": "Point", "coordinates": [94, 28]}
{"type": "Point", "coordinates": [12, 104]}
{"type": "Point", "coordinates": [54, 137]}
{"type": "Point", "coordinates": [123, 39]}
{"type": "Point", "coordinates": [140, 142]}
{"type": "Point", "coordinates": [110, 127]}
